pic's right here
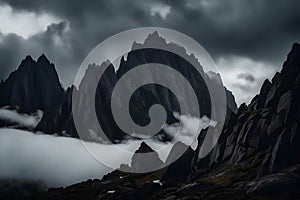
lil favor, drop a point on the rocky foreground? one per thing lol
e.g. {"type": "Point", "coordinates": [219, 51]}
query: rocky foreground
{"type": "Point", "coordinates": [256, 156]}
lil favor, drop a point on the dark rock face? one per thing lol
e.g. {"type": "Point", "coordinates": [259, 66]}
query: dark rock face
{"type": "Point", "coordinates": [256, 156]}
{"type": "Point", "coordinates": [20, 189]}
{"type": "Point", "coordinates": [63, 120]}
{"type": "Point", "coordinates": [182, 165]}
{"type": "Point", "coordinates": [141, 163]}
{"type": "Point", "coordinates": [34, 85]}
{"type": "Point", "coordinates": [141, 100]}
{"type": "Point", "coordinates": [270, 124]}
{"type": "Point", "coordinates": [275, 184]}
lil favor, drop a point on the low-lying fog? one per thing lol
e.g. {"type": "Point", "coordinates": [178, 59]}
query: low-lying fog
{"type": "Point", "coordinates": [61, 161]}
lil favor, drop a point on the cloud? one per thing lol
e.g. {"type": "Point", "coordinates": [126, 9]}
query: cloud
{"type": "Point", "coordinates": [226, 28]}
{"type": "Point", "coordinates": [222, 26]}
{"type": "Point", "coordinates": [161, 10]}
{"type": "Point", "coordinates": [62, 161]}
{"type": "Point", "coordinates": [244, 76]}
{"type": "Point", "coordinates": [247, 77]}
{"type": "Point", "coordinates": [57, 42]}
{"type": "Point", "coordinates": [56, 161]}
{"type": "Point", "coordinates": [188, 129]}
{"type": "Point", "coordinates": [25, 24]}
{"type": "Point", "coordinates": [24, 120]}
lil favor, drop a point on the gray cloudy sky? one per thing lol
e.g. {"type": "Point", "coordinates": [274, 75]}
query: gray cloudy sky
{"type": "Point", "coordinates": [249, 40]}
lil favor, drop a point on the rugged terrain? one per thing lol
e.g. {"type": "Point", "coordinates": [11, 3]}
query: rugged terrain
{"type": "Point", "coordinates": [256, 156]}
{"type": "Point", "coordinates": [35, 86]}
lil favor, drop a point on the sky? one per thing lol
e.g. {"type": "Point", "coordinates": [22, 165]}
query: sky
{"type": "Point", "coordinates": [248, 40]}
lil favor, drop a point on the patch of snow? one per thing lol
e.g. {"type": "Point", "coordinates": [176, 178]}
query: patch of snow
{"type": "Point", "coordinates": [158, 182]}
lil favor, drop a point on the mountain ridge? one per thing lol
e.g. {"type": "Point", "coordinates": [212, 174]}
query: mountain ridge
{"type": "Point", "coordinates": [33, 86]}
{"type": "Point", "coordinates": [255, 157]}
{"type": "Point", "coordinates": [140, 101]}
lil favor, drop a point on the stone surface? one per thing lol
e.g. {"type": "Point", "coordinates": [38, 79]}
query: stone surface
{"type": "Point", "coordinates": [141, 100]}
{"type": "Point", "coordinates": [256, 156]}
{"type": "Point", "coordinates": [33, 86]}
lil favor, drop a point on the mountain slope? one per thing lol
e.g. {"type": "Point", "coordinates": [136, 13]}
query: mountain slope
{"type": "Point", "coordinates": [270, 124]}
{"type": "Point", "coordinates": [256, 156]}
{"type": "Point", "coordinates": [141, 100]}
{"type": "Point", "coordinates": [33, 86]}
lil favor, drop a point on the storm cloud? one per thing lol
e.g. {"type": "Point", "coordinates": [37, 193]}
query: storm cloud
{"type": "Point", "coordinates": [247, 77]}
{"type": "Point", "coordinates": [258, 30]}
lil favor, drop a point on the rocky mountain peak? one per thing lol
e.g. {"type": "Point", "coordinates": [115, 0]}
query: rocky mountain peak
{"type": "Point", "coordinates": [34, 85]}
{"type": "Point", "coordinates": [28, 58]}
{"type": "Point", "coordinates": [145, 96]}
{"type": "Point", "coordinates": [256, 156]}
{"type": "Point", "coordinates": [154, 38]}
{"type": "Point", "coordinates": [293, 59]}
{"type": "Point", "coordinates": [43, 59]}
{"type": "Point", "coordinates": [26, 64]}
{"type": "Point", "coordinates": [144, 159]}
{"type": "Point", "coordinates": [267, 127]}
{"type": "Point", "coordinates": [144, 148]}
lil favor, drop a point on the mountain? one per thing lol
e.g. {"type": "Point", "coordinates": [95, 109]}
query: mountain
{"type": "Point", "coordinates": [20, 189]}
{"type": "Point", "coordinates": [33, 86]}
{"type": "Point", "coordinates": [141, 163]}
{"type": "Point", "coordinates": [269, 125]}
{"type": "Point", "coordinates": [60, 121]}
{"type": "Point", "coordinates": [256, 156]}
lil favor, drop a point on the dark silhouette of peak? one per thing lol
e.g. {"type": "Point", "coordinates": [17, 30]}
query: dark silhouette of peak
{"type": "Point", "coordinates": [154, 34]}
{"type": "Point", "coordinates": [154, 38]}
{"type": "Point", "coordinates": [293, 60]}
{"type": "Point", "coordinates": [34, 85]}
{"type": "Point", "coordinates": [157, 41]}
{"type": "Point", "coordinates": [26, 64]}
{"type": "Point", "coordinates": [267, 127]}
{"type": "Point", "coordinates": [144, 148]}
{"type": "Point", "coordinates": [143, 98]}
{"type": "Point", "coordinates": [145, 159]}
{"type": "Point", "coordinates": [28, 58]}
{"type": "Point", "coordinates": [256, 156]}
{"type": "Point", "coordinates": [43, 59]}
